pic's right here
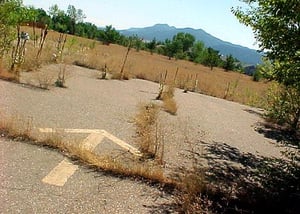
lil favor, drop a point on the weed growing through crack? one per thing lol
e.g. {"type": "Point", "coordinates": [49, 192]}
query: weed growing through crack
{"type": "Point", "coordinates": [61, 78]}
{"type": "Point", "coordinates": [169, 103]}
{"type": "Point", "coordinates": [148, 137]}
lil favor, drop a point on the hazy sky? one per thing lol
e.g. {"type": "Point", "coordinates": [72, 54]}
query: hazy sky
{"type": "Point", "coordinates": [213, 16]}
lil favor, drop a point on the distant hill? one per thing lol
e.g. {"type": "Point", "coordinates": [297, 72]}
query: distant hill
{"type": "Point", "coordinates": [164, 31]}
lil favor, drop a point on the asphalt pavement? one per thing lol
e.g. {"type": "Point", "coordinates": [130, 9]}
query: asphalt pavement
{"type": "Point", "coordinates": [23, 168]}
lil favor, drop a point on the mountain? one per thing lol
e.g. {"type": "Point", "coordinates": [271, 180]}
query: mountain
{"type": "Point", "coordinates": [164, 31]}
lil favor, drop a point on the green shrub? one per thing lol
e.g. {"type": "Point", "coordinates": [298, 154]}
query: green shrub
{"type": "Point", "coordinates": [257, 76]}
{"type": "Point", "coordinates": [284, 106]}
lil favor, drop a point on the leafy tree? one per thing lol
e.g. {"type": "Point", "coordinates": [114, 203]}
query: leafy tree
{"type": "Point", "coordinates": [136, 42]}
{"type": "Point", "coordinates": [186, 40]}
{"type": "Point", "coordinates": [76, 16]}
{"type": "Point", "coordinates": [87, 30]}
{"type": "Point", "coordinates": [198, 52]}
{"type": "Point", "coordinates": [179, 46]}
{"type": "Point", "coordinates": [42, 16]}
{"type": "Point", "coordinates": [229, 64]}
{"type": "Point", "coordinates": [54, 11]}
{"type": "Point", "coordinates": [177, 49]}
{"type": "Point", "coordinates": [182, 42]}
{"type": "Point", "coordinates": [151, 45]}
{"type": "Point", "coordinates": [276, 25]}
{"type": "Point", "coordinates": [168, 48]}
{"type": "Point", "coordinates": [212, 58]}
{"type": "Point", "coordinates": [109, 35]}
{"type": "Point", "coordinates": [13, 13]}
{"type": "Point", "coordinates": [60, 21]}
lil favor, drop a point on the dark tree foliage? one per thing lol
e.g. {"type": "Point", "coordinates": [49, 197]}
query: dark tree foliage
{"type": "Point", "coordinates": [87, 30]}
{"type": "Point", "coordinates": [151, 45]}
{"type": "Point", "coordinates": [109, 35]}
{"type": "Point", "coordinates": [212, 58]}
{"type": "Point", "coordinates": [276, 25]}
{"type": "Point", "coordinates": [229, 64]}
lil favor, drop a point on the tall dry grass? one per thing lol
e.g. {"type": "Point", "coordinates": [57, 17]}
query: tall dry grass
{"type": "Point", "coordinates": [169, 103]}
{"type": "Point", "coordinates": [183, 74]}
{"type": "Point", "coordinates": [146, 121]}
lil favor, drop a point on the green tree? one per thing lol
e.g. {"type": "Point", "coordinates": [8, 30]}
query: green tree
{"type": "Point", "coordinates": [87, 30]}
{"type": "Point", "coordinates": [177, 49]}
{"type": "Point", "coordinates": [185, 39]}
{"type": "Point", "coordinates": [168, 49]}
{"type": "Point", "coordinates": [182, 43]}
{"type": "Point", "coordinates": [229, 64]}
{"type": "Point", "coordinates": [42, 17]}
{"type": "Point", "coordinates": [109, 35]}
{"type": "Point", "coordinates": [76, 16]}
{"type": "Point", "coordinates": [198, 52]}
{"type": "Point", "coordinates": [13, 13]}
{"type": "Point", "coordinates": [60, 21]}
{"type": "Point", "coordinates": [151, 45]}
{"type": "Point", "coordinates": [211, 58]}
{"type": "Point", "coordinates": [276, 25]}
{"type": "Point", "coordinates": [136, 42]}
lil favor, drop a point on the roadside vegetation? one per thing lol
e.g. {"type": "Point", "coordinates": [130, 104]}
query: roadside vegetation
{"type": "Point", "coordinates": [278, 35]}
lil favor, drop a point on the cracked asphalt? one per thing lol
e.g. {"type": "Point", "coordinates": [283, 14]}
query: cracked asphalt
{"type": "Point", "coordinates": [90, 103]}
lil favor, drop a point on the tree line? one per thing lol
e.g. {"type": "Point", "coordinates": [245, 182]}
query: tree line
{"type": "Point", "coordinates": [181, 46]}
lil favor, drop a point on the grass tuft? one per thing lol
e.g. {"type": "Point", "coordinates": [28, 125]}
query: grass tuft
{"type": "Point", "coordinates": [169, 103]}
{"type": "Point", "coordinates": [148, 136]}
{"type": "Point", "coordinates": [170, 106]}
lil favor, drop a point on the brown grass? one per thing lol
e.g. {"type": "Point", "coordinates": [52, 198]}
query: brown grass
{"type": "Point", "coordinates": [148, 136]}
{"type": "Point", "coordinates": [170, 106]}
{"type": "Point", "coordinates": [16, 127]}
{"type": "Point", "coordinates": [143, 65]}
{"type": "Point", "coordinates": [167, 95]}
{"type": "Point", "coordinates": [8, 76]}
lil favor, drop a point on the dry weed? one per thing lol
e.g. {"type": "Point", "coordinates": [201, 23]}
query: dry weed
{"type": "Point", "coordinates": [16, 127]}
{"type": "Point", "coordinates": [119, 76]}
{"type": "Point", "coordinates": [147, 134]}
{"type": "Point", "coordinates": [44, 79]}
{"type": "Point", "coordinates": [167, 96]}
{"type": "Point", "coordinates": [141, 76]}
{"type": "Point", "coordinates": [170, 106]}
{"type": "Point", "coordinates": [168, 92]}
{"type": "Point", "coordinates": [8, 76]}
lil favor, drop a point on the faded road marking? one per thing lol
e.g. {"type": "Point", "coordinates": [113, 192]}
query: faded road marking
{"type": "Point", "coordinates": [96, 132]}
{"type": "Point", "coordinates": [82, 131]}
{"type": "Point", "coordinates": [60, 174]}
{"type": "Point", "coordinates": [121, 143]}
{"type": "Point", "coordinates": [91, 142]}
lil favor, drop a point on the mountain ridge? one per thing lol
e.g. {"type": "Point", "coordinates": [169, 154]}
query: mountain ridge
{"type": "Point", "coordinates": [161, 32]}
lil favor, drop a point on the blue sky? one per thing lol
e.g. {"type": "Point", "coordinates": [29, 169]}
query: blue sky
{"type": "Point", "coordinates": [213, 16]}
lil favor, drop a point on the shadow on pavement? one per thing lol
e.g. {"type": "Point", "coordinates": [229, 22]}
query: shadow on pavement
{"type": "Point", "coordinates": [279, 134]}
{"type": "Point", "coordinates": [245, 183]}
